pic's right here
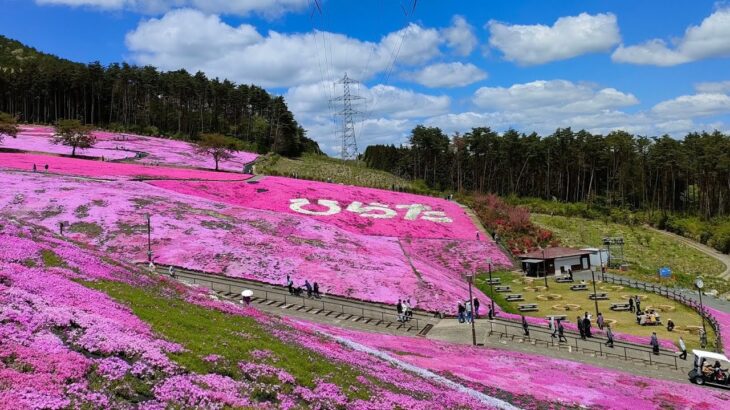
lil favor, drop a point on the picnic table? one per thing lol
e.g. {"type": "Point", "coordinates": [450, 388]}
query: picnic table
{"type": "Point", "coordinates": [620, 307]}
{"type": "Point", "coordinates": [528, 307]}
{"type": "Point", "coordinates": [514, 297]}
{"type": "Point", "coordinates": [564, 279]}
{"type": "Point", "coordinates": [503, 289]}
{"type": "Point", "coordinates": [557, 317]}
{"type": "Point", "coordinates": [598, 296]}
{"type": "Point", "coordinates": [579, 287]}
{"type": "Point", "coordinates": [494, 281]}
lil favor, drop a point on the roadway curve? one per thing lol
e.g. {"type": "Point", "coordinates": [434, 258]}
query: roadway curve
{"type": "Point", "coordinates": [723, 258]}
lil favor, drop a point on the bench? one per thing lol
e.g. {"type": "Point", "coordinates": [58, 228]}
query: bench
{"type": "Point", "coordinates": [514, 297]}
{"type": "Point", "coordinates": [579, 287]}
{"type": "Point", "coordinates": [620, 307]}
{"type": "Point", "coordinates": [494, 281]}
{"type": "Point", "coordinates": [503, 289]}
{"type": "Point", "coordinates": [557, 317]}
{"type": "Point", "coordinates": [528, 307]}
{"type": "Point", "coordinates": [598, 296]}
{"type": "Point", "coordinates": [564, 279]}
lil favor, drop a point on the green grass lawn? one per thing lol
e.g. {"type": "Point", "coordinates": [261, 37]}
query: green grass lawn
{"type": "Point", "coordinates": [644, 250]}
{"type": "Point", "coordinates": [205, 331]}
{"type": "Point", "coordinates": [625, 321]}
{"type": "Point", "coordinates": [320, 168]}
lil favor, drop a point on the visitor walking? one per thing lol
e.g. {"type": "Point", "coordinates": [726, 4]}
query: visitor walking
{"type": "Point", "coordinates": [587, 325]}
{"type": "Point", "coordinates": [580, 328]}
{"type": "Point", "coordinates": [461, 311]}
{"type": "Point", "coordinates": [315, 289]}
{"type": "Point", "coordinates": [476, 308]}
{"type": "Point", "coordinates": [491, 313]}
{"type": "Point", "coordinates": [609, 336]}
{"type": "Point", "coordinates": [469, 311]}
{"type": "Point", "coordinates": [682, 349]}
{"type": "Point", "coordinates": [638, 304]}
{"type": "Point", "coordinates": [525, 326]}
{"type": "Point", "coordinates": [308, 286]}
{"type": "Point", "coordinates": [654, 343]}
{"type": "Point", "coordinates": [407, 310]}
{"type": "Point", "coordinates": [399, 309]}
{"type": "Point", "coordinates": [551, 325]}
{"type": "Point", "coordinates": [290, 285]}
{"type": "Point", "coordinates": [599, 320]}
{"type": "Point", "coordinates": [631, 305]}
{"type": "Point", "coordinates": [570, 273]}
{"type": "Point", "coordinates": [561, 332]}
{"type": "Point", "coordinates": [171, 271]}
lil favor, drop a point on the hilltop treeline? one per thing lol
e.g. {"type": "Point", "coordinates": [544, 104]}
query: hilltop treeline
{"type": "Point", "coordinates": [619, 169]}
{"type": "Point", "coordinates": [41, 88]}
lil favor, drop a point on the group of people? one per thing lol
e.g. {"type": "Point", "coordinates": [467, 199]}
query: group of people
{"type": "Point", "coordinates": [405, 312]}
{"type": "Point", "coordinates": [311, 288]}
{"type": "Point", "coordinates": [36, 168]}
{"type": "Point", "coordinates": [465, 311]}
{"type": "Point", "coordinates": [650, 318]}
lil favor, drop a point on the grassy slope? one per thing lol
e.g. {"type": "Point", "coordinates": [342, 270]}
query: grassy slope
{"type": "Point", "coordinates": [320, 168]}
{"type": "Point", "coordinates": [645, 251]}
{"type": "Point", "coordinates": [205, 331]}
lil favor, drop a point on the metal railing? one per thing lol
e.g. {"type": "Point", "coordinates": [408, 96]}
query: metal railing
{"type": "Point", "coordinates": [671, 294]}
{"type": "Point", "coordinates": [595, 345]}
{"type": "Point", "coordinates": [281, 296]}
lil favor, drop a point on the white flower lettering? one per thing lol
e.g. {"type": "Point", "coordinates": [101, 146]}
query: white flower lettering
{"type": "Point", "coordinates": [436, 216]}
{"type": "Point", "coordinates": [414, 210]}
{"type": "Point", "coordinates": [382, 211]}
{"type": "Point", "coordinates": [297, 205]}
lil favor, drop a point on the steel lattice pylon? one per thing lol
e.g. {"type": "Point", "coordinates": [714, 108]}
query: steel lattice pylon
{"type": "Point", "coordinates": [349, 144]}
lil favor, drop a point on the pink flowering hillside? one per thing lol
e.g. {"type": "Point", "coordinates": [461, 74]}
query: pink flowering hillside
{"type": "Point", "coordinates": [361, 210]}
{"type": "Point", "coordinates": [216, 237]}
{"type": "Point", "coordinates": [66, 345]}
{"type": "Point", "coordinates": [97, 169]}
{"type": "Point", "coordinates": [537, 377]}
{"type": "Point", "coordinates": [114, 146]}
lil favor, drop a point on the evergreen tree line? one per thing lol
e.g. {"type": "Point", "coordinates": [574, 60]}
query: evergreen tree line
{"type": "Point", "coordinates": [689, 175]}
{"type": "Point", "coordinates": [41, 88]}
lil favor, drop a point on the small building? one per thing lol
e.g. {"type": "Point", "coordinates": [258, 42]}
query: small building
{"type": "Point", "coordinates": [598, 257]}
{"type": "Point", "coordinates": [554, 260]}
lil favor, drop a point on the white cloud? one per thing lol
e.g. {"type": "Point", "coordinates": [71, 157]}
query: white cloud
{"type": "Point", "coordinates": [195, 41]}
{"type": "Point", "coordinates": [697, 105]}
{"type": "Point", "coordinates": [269, 8]}
{"type": "Point", "coordinates": [722, 87]}
{"type": "Point", "coordinates": [460, 36]}
{"type": "Point", "coordinates": [568, 37]}
{"type": "Point", "coordinates": [447, 75]}
{"type": "Point", "coordinates": [710, 39]}
{"type": "Point", "coordinates": [542, 98]}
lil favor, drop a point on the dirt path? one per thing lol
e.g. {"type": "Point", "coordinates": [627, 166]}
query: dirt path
{"type": "Point", "coordinates": [725, 259]}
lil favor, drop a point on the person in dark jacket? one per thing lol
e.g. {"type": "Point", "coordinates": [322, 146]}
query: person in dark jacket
{"type": "Point", "coordinates": [580, 328]}
{"type": "Point", "coordinates": [399, 309]}
{"type": "Point", "coordinates": [561, 332]}
{"type": "Point", "coordinates": [587, 325]}
{"type": "Point", "coordinates": [462, 311]}
{"type": "Point", "coordinates": [308, 286]}
{"type": "Point", "coordinates": [525, 326]}
{"type": "Point", "coordinates": [609, 336]}
{"type": "Point", "coordinates": [631, 305]}
{"type": "Point", "coordinates": [315, 289]}
{"type": "Point", "coordinates": [476, 308]}
{"type": "Point", "coordinates": [491, 313]}
{"type": "Point", "coordinates": [654, 343]}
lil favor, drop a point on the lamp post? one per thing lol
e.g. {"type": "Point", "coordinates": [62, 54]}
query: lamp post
{"type": "Point", "coordinates": [491, 284]}
{"type": "Point", "coordinates": [595, 295]}
{"type": "Point", "coordinates": [470, 279]}
{"type": "Point", "coordinates": [544, 268]}
{"type": "Point", "coordinates": [600, 258]}
{"type": "Point", "coordinates": [149, 239]}
{"type": "Point", "coordinates": [700, 284]}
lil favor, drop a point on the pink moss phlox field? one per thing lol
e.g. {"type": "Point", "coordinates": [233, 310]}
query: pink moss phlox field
{"type": "Point", "coordinates": [116, 146]}
{"type": "Point", "coordinates": [723, 319]}
{"type": "Point", "coordinates": [570, 383]}
{"type": "Point", "coordinates": [276, 193]}
{"type": "Point", "coordinates": [99, 169]}
{"type": "Point", "coordinates": [195, 233]}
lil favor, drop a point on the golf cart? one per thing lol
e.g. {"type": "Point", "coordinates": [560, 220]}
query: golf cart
{"type": "Point", "coordinates": [710, 368]}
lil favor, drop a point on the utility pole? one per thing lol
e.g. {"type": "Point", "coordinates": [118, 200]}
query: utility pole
{"type": "Point", "coordinates": [349, 144]}
{"type": "Point", "coordinates": [470, 279]}
{"type": "Point", "coordinates": [149, 239]}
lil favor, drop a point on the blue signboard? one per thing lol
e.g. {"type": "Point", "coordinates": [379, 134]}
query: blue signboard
{"type": "Point", "coordinates": [665, 272]}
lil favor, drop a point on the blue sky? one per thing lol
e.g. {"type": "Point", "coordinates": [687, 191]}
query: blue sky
{"type": "Point", "coordinates": [650, 67]}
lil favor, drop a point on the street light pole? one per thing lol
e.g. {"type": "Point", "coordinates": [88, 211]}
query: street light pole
{"type": "Point", "coordinates": [470, 279]}
{"type": "Point", "coordinates": [491, 284]}
{"type": "Point", "coordinates": [149, 239]}
{"type": "Point", "coordinates": [595, 295]}
{"type": "Point", "coordinates": [544, 268]}
{"type": "Point", "coordinates": [700, 284]}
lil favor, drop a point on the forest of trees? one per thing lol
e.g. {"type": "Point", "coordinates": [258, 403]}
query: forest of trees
{"type": "Point", "coordinates": [41, 88]}
{"type": "Point", "coordinates": [689, 175]}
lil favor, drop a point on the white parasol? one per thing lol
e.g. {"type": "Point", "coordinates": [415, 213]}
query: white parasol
{"type": "Point", "coordinates": [247, 293]}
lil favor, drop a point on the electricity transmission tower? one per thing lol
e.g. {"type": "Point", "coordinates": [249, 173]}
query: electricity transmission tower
{"type": "Point", "coordinates": [349, 144]}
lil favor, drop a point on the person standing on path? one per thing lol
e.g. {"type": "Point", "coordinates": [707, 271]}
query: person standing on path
{"type": "Point", "coordinates": [599, 320]}
{"type": "Point", "coordinates": [461, 311]}
{"type": "Point", "coordinates": [580, 329]}
{"type": "Point", "coordinates": [631, 305]}
{"type": "Point", "coordinates": [683, 349]}
{"type": "Point", "coordinates": [469, 312]}
{"type": "Point", "coordinates": [308, 286]}
{"type": "Point", "coordinates": [609, 336]}
{"type": "Point", "coordinates": [525, 326]}
{"type": "Point", "coordinates": [315, 289]}
{"type": "Point", "coordinates": [476, 308]}
{"type": "Point", "coordinates": [399, 310]}
{"type": "Point", "coordinates": [290, 285]}
{"type": "Point", "coordinates": [551, 325]}
{"type": "Point", "coordinates": [561, 332]}
{"type": "Point", "coordinates": [654, 343]}
{"type": "Point", "coordinates": [491, 313]}
{"type": "Point", "coordinates": [587, 326]}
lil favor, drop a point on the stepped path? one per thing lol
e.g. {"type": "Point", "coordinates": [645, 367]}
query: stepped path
{"type": "Point", "coordinates": [376, 317]}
